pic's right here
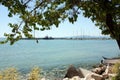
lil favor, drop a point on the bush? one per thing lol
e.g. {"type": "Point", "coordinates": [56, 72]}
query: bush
{"type": "Point", "coordinates": [1, 76]}
{"type": "Point", "coordinates": [13, 74]}
{"type": "Point", "coordinates": [116, 69]}
{"type": "Point", "coordinates": [9, 74]}
{"type": "Point", "coordinates": [34, 74]}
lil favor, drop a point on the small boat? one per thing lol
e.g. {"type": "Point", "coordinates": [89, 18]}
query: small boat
{"type": "Point", "coordinates": [110, 58]}
{"type": "Point", "coordinates": [104, 57]}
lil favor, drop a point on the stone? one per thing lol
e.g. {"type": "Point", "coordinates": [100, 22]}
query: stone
{"type": "Point", "coordinates": [72, 71]}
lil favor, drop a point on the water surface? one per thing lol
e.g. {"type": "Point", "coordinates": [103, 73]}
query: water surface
{"type": "Point", "coordinates": [51, 53]}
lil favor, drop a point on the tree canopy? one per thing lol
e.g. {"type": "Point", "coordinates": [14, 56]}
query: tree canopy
{"type": "Point", "coordinates": [42, 14]}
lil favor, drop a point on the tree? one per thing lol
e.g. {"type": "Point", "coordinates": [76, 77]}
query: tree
{"type": "Point", "coordinates": [32, 13]}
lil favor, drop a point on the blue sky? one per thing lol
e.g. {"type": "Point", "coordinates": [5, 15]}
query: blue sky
{"type": "Point", "coordinates": [83, 26]}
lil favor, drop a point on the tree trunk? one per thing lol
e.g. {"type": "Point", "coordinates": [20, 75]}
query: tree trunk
{"type": "Point", "coordinates": [118, 42]}
{"type": "Point", "coordinates": [111, 25]}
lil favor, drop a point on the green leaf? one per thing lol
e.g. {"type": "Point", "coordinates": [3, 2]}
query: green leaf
{"type": "Point", "coordinates": [5, 34]}
{"type": "Point", "coordinates": [3, 42]}
{"type": "Point", "coordinates": [36, 28]}
{"type": "Point", "coordinates": [75, 17]}
{"type": "Point", "coordinates": [10, 15]}
{"type": "Point", "coordinates": [71, 20]}
{"type": "Point", "coordinates": [10, 24]}
{"type": "Point", "coordinates": [42, 29]}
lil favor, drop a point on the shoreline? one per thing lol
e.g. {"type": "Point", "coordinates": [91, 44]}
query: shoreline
{"type": "Point", "coordinates": [96, 38]}
{"type": "Point", "coordinates": [51, 74]}
{"type": "Point", "coordinates": [60, 73]}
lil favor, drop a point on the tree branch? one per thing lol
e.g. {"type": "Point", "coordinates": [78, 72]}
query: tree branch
{"type": "Point", "coordinates": [37, 6]}
{"type": "Point", "coordinates": [27, 2]}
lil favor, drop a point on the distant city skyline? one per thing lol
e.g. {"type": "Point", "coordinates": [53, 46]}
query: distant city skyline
{"type": "Point", "coordinates": [83, 26]}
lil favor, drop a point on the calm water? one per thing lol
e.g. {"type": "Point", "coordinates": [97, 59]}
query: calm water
{"type": "Point", "coordinates": [51, 53]}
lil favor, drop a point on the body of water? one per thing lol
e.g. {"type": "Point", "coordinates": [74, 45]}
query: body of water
{"type": "Point", "coordinates": [55, 53]}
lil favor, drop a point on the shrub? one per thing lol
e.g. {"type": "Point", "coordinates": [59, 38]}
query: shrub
{"type": "Point", "coordinates": [9, 74]}
{"type": "Point", "coordinates": [13, 74]}
{"type": "Point", "coordinates": [116, 69]}
{"type": "Point", "coordinates": [1, 76]}
{"type": "Point", "coordinates": [34, 74]}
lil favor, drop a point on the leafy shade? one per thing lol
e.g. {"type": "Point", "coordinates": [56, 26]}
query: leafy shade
{"type": "Point", "coordinates": [42, 14]}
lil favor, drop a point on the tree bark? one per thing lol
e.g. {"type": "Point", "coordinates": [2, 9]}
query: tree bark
{"type": "Point", "coordinates": [118, 42]}
{"type": "Point", "coordinates": [111, 25]}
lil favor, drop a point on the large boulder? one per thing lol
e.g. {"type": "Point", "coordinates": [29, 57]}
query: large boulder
{"type": "Point", "coordinates": [72, 71]}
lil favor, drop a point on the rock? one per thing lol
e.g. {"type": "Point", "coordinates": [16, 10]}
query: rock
{"type": "Point", "coordinates": [97, 77]}
{"type": "Point", "coordinates": [72, 71]}
{"type": "Point", "coordinates": [76, 78]}
{"type": "Point", "coordinates": [73, 78]}
{"type": "Point", "coordinates": [43, 79]}
{"type": "Point", "coordinates": [65, 79]}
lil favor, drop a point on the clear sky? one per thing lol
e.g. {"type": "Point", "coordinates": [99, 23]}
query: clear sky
{"type": "Point", "coordinates": [83, 26]}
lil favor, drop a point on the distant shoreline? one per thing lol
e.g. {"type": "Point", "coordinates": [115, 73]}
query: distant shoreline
{"type": "Point", "coordinates": [66, 39]}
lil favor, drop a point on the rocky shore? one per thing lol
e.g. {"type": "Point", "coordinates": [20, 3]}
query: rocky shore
{"type": "Point", "coordinates": [102, 71]}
